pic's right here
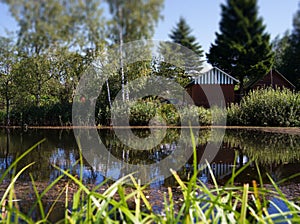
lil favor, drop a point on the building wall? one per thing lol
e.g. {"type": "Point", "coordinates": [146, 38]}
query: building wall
{"type": "Point", "coordinates": [197, 92]}
{"type": "Point", "coordinates": [274, 80]}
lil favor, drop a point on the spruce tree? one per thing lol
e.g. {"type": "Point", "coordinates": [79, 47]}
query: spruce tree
{"type": "Point", "coordinates": [181, 34]}
{"type": "Point", "coordinates": [182, 59]}
{"type": "Point", "coordinates": [290, 66]}
{"type": "Point", "coordinates": [242, 48]}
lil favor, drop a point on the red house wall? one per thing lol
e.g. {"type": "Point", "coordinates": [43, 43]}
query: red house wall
{"type": "Point", "coordinates": [273, 80]}
{"type": "Point", "coordinates": [197, 92]}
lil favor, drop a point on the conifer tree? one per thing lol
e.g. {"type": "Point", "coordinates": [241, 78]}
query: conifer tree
{"type": "Point", "coordinates": [242, 48]}
{"type": "Point", "coordinates": [181, 34]}
{"type": "Point", "coordinates": [290, 66]}
{"type": "Point", "coordinates": [182, 59]}
{"type": "Point", "coordinates": [280, 44]}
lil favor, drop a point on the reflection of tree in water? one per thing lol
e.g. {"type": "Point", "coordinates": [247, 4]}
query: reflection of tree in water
{"type": "Point", "coordinates": [271, 150]}
{"type": "Point", "coordinates": [264, 147]}
{"type": "Point", "coordinates": [277, 154]}
{"type": "Point", "coordinates": [59, 149]}
{"type": "Point", "coordinates": [162, 149]}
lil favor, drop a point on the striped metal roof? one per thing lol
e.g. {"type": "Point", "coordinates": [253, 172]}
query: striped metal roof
{"type": "Point", "coordinates": [214, 76]}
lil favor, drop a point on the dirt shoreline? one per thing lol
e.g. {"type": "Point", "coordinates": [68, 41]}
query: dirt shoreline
{"type": "Point", "coordinates": [288, 130]}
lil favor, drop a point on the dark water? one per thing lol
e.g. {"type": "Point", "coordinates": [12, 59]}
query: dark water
{"type": "Point", "coordinates": [276, 154]}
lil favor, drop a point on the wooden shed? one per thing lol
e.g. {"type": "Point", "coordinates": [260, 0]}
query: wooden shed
{"type": "Point", "coordinates": [272, 79]}
{"type": "Point", "coordinates": [207, 83]}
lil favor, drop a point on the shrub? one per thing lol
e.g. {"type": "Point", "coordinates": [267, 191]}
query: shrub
{"type": "Point", "coordinates": [2, 117]}
{"type": "Point", "coordinates": [234, 116]}
{"type": "Point", "coordinates": [169, 114]}
{"type": "Point", "coordinates": [56, 114]}
{"type": "Point", "coordinates": [267, 107]}
{"type": "Point", "coordinates": [142, 112]}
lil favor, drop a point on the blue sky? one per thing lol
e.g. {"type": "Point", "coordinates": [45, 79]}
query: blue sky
{"type": "Point", "coordinates": [203, 16]}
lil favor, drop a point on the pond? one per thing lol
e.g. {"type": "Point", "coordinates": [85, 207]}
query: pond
{"type": "Point", "coordinates": [277, 154]}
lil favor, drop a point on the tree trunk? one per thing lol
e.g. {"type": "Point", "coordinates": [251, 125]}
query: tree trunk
{"type": "Point", "coordinates": [121, 54]}
{"type": "Point", "coordinates": [7, 106]}
{"type": "Point", "coordinates": [38, 94]}
{"type": "Point", "coordinates": [108, 94]}
{"type": "Point", "coordinates": [7, 112]}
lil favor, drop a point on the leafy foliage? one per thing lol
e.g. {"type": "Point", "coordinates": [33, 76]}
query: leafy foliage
{"type": "Point", "coordinates": [8, 58]}
{"type": "Point", "coordinates": [267, 107]}
{"type": "Point", "coordinates": [52, 115]}
{"type": "Point", "coordinates": [143, 112]}
{"type": "Point", "coordinates": [290, 58]}
{"type": "Point", "coordinates": [135, 19]}
{"type": "Point", "coordinates": [181, 58]}
{"type": "Point", "coordinates": [56, 41]}
{"type": "Point", "coordinates": [280, 46]}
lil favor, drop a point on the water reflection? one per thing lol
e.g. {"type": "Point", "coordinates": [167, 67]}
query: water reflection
{"type": "Point", "coordinates": [277, 154]}
{"type": "Point", "coordinates": [266, 147]}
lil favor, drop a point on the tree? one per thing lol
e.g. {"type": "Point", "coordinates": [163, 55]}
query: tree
{"type": "Point", "coordinates": [280, 45]}
{"type": "Point", "coordinates": [242, 48]}
{"type": "Point", "coordinates": [8, 58]}
{"type": "Point", "coordinates": [181, 34]}
{"type": "Point", "coordinates": [49, 30]}
{"type": "Point", "coordinates": [188, 62]}
{"type": "Point", "coordinates": [132, 20]}
{"type": "Point", "coordinates": [290, 66]}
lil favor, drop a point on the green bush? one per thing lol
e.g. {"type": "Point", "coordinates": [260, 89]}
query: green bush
{"type": "Point", "coordinates": [142, 112]}
{"type": "Point", "coordinates": [267, 107]}
{"type": "Point", "coordinates": [57, 114]}
{"type": "Point", "coordinates": [204, 115]}
{"type": "Point", "coordinates": [169, 114]}
{"type": "Point", "coordinates": [2, 117]}
{"type": "Point", "coordinates": [234, 115]}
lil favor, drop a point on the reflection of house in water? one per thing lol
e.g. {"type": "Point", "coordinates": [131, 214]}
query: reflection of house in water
{"type": "Point", "coordinates": [221, 165]}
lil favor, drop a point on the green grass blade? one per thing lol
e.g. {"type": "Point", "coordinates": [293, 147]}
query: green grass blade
{"type": "Point", "coordinates": [12, 182]}
{"type": "Point", "coordinates": [243, 217]}
{"type": "Point", "coordinates": [38, 198]}
{"type": "Point", "coordinates": [45, 191]}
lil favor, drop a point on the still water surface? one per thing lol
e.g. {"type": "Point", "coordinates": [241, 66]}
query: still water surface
{"type": "Point", "coordinates": [276, 153]}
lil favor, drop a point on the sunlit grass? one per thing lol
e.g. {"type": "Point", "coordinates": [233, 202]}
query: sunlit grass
{"type": "Point", "coordinates": [201, 203]}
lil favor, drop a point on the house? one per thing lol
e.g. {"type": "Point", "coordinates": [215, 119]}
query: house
{"type": "Point", "coordinates": [208, 82]}
{"type": "Point", "coordinates": [272, 79]}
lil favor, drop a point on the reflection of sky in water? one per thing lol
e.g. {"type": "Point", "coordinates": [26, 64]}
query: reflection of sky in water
{"type": "Point", "coordinates": [245, 160]}
{"type": "Point", "coordinates": [4, 164]}
{"type": "Point", "coordinates": [60, 159]}
{"type": "Point", "coordinates": [278, 207]}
